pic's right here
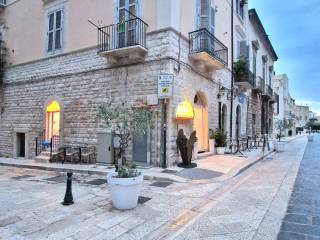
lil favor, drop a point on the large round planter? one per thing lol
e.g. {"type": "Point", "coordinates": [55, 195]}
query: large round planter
{"type": "Point", "coordinates": [310, 138]}
{"type": "Point", "coordinates": [279, 146]}
{"type": "Point", "coordinates": [220, 150]}
{"type": "Point", "coordinates": [124, 191]}
{"type": "Point", "coordinates": [211, 145]}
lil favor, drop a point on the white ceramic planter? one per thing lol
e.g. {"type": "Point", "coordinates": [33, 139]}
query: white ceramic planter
{"type": "Point", "coordinates": [124, 191]}
{"type": "Point", "coordinates": [279, 146]}
{"type": "Point", "coordinates": [195, 151]}
{"type": "Point", "coordinates": [211, 145]}
{"type": "Point", "coordinates": [220, 150]}
{"type": "Point", "coordinates": [310, 138]}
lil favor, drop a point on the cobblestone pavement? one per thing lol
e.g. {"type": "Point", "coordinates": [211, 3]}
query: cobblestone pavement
{"type": "Point", "coordinates": [249, 206]}
{"type": "Point", "coordinates": [302, 220]}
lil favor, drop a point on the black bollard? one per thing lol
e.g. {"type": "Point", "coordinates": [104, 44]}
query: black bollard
{"type": "Point", "coordinates": [68, 198]}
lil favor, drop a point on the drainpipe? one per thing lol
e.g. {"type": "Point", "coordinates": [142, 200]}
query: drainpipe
{"type": "Point", "coordinates": [232, 77]}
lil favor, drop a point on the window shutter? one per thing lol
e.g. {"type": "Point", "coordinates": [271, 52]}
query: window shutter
{"type": "Point", "coordinates": [204, 11]}
{"type": "Point", "coordinates": [50, 33]}
{"type": "Point", "coordinates": [243, 49]}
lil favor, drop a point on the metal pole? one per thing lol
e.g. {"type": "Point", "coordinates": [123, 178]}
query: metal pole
{"type": "Point", "coordinates": [164, 164]}
{"type": "Point", "coordinates": [232, 77]}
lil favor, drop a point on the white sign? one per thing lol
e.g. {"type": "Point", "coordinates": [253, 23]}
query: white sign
{"type": "Point", "coordinates": [165, 86]}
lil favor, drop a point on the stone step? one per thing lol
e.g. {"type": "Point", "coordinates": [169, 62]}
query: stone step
{"type": "Point", "coordinates": [204, 155]}
{"type": "Point", "coordinates": [42, 159]}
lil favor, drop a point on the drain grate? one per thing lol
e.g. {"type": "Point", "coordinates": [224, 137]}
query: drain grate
{"type": "Point", "coordinates": [161, 184]}
{"type": "Point", "coordinates": [97, 182]}
{"type": "Point", "coordinates": [169, 171]}
{"type": "Point", "coordinates": [143, 200]}
{"type": "Point", "coordinates": [57, 179]}
{"type": "Point", "coordinates": [22, 177]}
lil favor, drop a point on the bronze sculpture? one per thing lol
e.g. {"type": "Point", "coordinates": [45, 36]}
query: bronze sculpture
{"type": "Point", "coordinates": [185, 147]}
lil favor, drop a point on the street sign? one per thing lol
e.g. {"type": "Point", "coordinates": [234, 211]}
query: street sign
{"type": "Point", "coordinates": [165, 86]}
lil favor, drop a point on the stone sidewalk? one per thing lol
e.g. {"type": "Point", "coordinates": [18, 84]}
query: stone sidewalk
{"type": "Point", "coordinates": [250, 204]}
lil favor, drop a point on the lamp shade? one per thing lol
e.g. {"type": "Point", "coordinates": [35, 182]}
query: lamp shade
{"type": "Point", "coordinates": [184, 111]}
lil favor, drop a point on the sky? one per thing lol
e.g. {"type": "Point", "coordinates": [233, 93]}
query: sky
{"type": "Point", "coordinates": [294, 30]}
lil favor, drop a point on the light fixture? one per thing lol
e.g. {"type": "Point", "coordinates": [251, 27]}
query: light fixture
{"type": "Point", "coordinates": [184, 111]}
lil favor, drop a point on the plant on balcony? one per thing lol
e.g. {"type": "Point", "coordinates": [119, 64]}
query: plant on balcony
{"type": "Point", "coordinates": [240, 69]}
{"type": "Point", "coordinates": [125, 121]}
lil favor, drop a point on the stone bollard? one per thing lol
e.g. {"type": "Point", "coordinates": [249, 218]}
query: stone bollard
{"type": "Point", "coordinates": [68, 198]}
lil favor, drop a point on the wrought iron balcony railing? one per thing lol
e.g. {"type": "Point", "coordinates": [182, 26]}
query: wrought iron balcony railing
{"type": "Point", "coordinates": [122, 35]}
{"type": "Point", "coordinates": [260, 85]}
{"type": "Point", "coordinates": [248, 79]}
{"type": "Point", "coordinates": [203, 41]}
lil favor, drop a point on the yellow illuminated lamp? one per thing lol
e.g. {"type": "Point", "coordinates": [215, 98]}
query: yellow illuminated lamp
{"type": "Point", "coordinates": [53, 107]}
{"type": "Point", "coordinates": [184, 111]}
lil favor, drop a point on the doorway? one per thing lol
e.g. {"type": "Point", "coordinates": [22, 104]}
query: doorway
{"type": "Point", "coordinates": [140, 148]}
{"type": "Point", "coordinates": [52, 120]}
{"type": "Point", "coordinates": [21, 145]}
{"type": "Point", "coordinates": [238, 122]}
{"type": "Point", "coordinates": [201, 122]}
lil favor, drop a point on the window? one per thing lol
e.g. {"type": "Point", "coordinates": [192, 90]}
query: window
{"type": "Point", "coordinates": [206, 15]}
{"type": "Point", "coordinates": [54, 34]}
{"type": "Point", "coordinates": [270, 77]}
{"type": "Point", "coordinates": [254, 62]}
{"type": "Point", "coordinates": [240, 8]}
{"type": "Point", "coordinates": [264, 70]}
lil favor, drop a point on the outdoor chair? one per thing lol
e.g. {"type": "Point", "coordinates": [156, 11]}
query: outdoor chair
{"type": "Point", "coordinates": [58, 156]}
{"type": "Point", "coordinates": [71, 154]}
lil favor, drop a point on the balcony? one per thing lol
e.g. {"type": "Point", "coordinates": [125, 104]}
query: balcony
{"type": "Point", "coordinates": [3, 3]}
{"type": "Point", "coordinates": [268, 93]}
{"type": "Point", "coordinates": [246, 80]}
{"type": "Point", "coordinates": [275, 98]}
{"type": "Point", "coordinates": [260, 85]}
{"type": "Point", "coordinates": [206, 49]}
{"type": "Point", "coordinates": [124, 40]}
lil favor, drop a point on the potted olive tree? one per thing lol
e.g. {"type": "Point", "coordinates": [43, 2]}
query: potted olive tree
{"type": "Point", "coordinates": [126, 180]}
{"type": "Point", "coordinates": [220, 137]}
{"type": "Point", "coordinates": [281, 125]}
{"type": "Point", "coordinates": [240, 69]}
{"type": "Point", "coordinates": [211, 141]}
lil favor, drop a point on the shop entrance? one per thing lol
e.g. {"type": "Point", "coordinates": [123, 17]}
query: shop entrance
{"type": "Point", "coordinates": [201, 122]}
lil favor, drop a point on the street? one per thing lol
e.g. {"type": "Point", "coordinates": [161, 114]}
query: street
{"type": "Point", "coordinates": [251, 205]}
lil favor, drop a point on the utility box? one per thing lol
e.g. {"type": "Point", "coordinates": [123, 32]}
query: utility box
{"type": "Point", "coordinates": [105, 148]}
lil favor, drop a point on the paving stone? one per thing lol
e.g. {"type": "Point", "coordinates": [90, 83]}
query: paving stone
{"type": "Point", "coordinates": [161, 184]}
{"type": "Point", "coordinates": [98, 181]}
{"type": "Point", "coordinates": [198, 174]}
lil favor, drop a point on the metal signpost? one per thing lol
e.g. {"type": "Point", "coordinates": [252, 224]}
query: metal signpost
{"type": "Point", "coordinates": [165, 92]}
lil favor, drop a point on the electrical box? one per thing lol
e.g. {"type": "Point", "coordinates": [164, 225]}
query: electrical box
{"type": "Point", "coordinates": [105, 148]}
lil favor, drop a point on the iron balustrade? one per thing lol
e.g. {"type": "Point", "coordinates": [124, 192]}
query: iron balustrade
{"type": "Point", "coordinates": [204, 41]}
{"type": "Point", "coordinates": [248, 77]}
{"type": "Point", "coordinates": [260, 84]}
{"type": "Point", "coordinates": [121, 35]}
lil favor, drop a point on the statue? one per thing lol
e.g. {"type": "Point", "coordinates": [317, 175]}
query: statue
{"type": "Point", "coordinates": [185, 147]}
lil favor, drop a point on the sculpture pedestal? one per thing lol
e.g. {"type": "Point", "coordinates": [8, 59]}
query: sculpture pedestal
{"type": "Point", "coordinates": [191, 165]}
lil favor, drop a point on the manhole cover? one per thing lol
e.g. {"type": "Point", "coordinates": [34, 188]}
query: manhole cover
{"type": "Point", "coordinates": [169, 171]}
{"type": "Point", "coordinates": [98, 181]}
{"type": "Point", "coordinates": [57, 179]}
{"type": "Point", "coordinates": [142, 199]}
{"type": "Point", "coordinates": [161, 184]}
{"type": "Point", "coordinates": [22, 176]}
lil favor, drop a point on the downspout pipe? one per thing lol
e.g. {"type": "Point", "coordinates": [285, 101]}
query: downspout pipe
{"type": "Point", "coordinates": [232, 75]}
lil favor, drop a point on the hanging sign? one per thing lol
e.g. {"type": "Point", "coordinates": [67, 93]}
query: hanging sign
{"type": "Point", "coordinates": [165, 86]}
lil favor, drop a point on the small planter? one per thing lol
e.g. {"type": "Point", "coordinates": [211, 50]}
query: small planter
{"type": "Point", "coordinates": [124, 191]}
{"type": "Point", "coordinates": [279, 146]}
{"type": "Point", "coordinates": [211, 145]}
{"type": "Point", "coordinates": [310, 138]}
{"type": "Point", "coordinates": [220, 150]}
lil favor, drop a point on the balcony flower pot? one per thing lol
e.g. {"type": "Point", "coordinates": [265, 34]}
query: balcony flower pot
{"type": "Point", "coordinates": [220, 150]}
{"type": "Point", "coordinates": [279, 146]}
{"type": "Point", "coordinates": [124, 191]}
{"type": "Point", "coordinates": [310, 138]}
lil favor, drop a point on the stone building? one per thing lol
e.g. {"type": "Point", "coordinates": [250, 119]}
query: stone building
{"type": "Point", "coordinates": [302, 115]}
{"type": "Point", "coordinates": [58, 74]}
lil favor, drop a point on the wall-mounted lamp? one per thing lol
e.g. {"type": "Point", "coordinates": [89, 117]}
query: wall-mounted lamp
{"type": "Point", "coordinates": [184, 111]}
{"type": "Point", "coordinates": [222, 92]}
